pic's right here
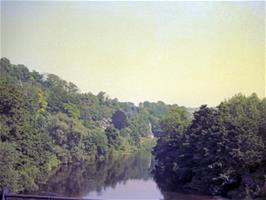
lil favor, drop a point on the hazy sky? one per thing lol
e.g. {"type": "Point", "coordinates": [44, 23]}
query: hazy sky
{"type": "Point", "coordinates": [189, 53]}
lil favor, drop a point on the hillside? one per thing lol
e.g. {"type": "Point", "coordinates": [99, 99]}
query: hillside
{"type": "Point", "coordinates": [46, 121]}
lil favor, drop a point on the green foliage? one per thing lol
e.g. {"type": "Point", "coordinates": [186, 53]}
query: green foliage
{"type": "Point", "coordinates": [222, 152]}
{"type": "Point", "coordinates": [42, 101]}
{"type": "Point", "coordinates": [119, 120]}
{"type": "Point", "coordinates": [45, 121]}
{"type": "Point", "coordinates": [147, 144]}
{"type": "Point", "coordinates": [72, 110]}
{"type": "Point", "coordinates": [174, 122]}
{"type": "Point", "coordinates": [67, 133]}
{"type": "Point", "coordinates": [29, 147]}
{"type": "Point", "coordinates": [139, 124]}
{"type": "Point", "coordinates": [14, 116]}
{"type": "Point", "coordinates": [112, 136]}
{"type": "Point", "coordinates": [9, 176]}
{"type": "Point", "coordinates": [154, 112]}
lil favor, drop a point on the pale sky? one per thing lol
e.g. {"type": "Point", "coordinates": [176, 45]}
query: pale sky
{"type": "Point", "coordinates": [189, 53]}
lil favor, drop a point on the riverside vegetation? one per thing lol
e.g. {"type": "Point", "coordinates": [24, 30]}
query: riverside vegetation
{"type": "Point", "coordinates": [221, 151]}
{"type": "Point", "coordinates": [45, 121]}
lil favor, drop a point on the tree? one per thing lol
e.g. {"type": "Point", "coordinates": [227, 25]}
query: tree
{"type": "Point", "coordinates": [101, 97]}
{"type": "Point", "coordinates": [9, 176]}
{"type": "Point", "coordinates": [14, 114]}
{"type": "Point", "coordinates": [112, 136]}
{"type": "Point", "coordinates": [30, 147]}
{"type": "Point", "coordinates": [119, 119]}
{"type": "Point", "coordinates": [67, 133]}
{"type": "Point", "coordinates": [72, 110]}
{"type": "Point", "coordinates": [220, 153]}
{"type": "Point", "coordinates": [174, 122]}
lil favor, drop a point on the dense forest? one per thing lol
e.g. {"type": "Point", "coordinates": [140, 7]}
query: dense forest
{"type": "Point", "coordinates": [46, 121]}
{"type": "Point", "coordinates": [221, 151]}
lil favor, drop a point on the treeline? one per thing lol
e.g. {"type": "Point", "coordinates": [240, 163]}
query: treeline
{"type": "Point", "coordinates": [222, 151]}
{"type": "Point", "coordinates": [45, 121]}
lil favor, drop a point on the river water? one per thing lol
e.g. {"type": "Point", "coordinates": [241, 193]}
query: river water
{"type": "Point", "coordinates": [128, 177]}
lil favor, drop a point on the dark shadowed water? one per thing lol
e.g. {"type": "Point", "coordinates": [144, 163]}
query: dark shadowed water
{"type": "Point", "coordinates": [126, 177]}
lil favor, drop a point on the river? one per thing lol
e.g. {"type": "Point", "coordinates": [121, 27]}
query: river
{"type": "Point", "coordinates": [127, 177]}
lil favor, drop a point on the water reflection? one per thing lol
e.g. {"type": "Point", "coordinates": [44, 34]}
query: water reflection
{"type": "Point", "coordinates": [131, 189]}
{"type": "Point", "coordinates": [126, 177]}
{"type": "Point", "coordinates": [79, 180]}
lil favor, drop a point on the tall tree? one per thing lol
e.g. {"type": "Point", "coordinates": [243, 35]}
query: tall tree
{"type": "Point", "coordinates": [119, 119]}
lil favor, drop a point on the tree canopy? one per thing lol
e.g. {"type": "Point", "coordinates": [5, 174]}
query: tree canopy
{"type": "Point", "coordinates": [46, 121]}
{"type": "Point", "coordinates": [222, 151]}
